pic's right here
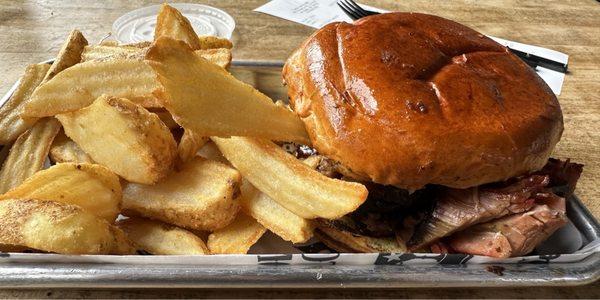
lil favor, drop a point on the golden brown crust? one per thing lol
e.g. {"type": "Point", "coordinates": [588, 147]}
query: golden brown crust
{"type": "Point", "coordinates": [162, 239]}
{"type": "Point", "coordinates": [136, 144]}
{"type": "Point", "coordinates": [214, 42]}
{"type": "Point", "coordinates": [69, 55]}
{"type": "Point", "coordinates": [28, 154]}
{"type": "Point", "coordinates": [58, 227]}
{"type": "Point", "coordinates": [410, 99]}
{"type": "Point", "coordinates": [219, 56]}
{"type": "Point", "coordinates": [162, 159]}
{"type": "Point", "coordinates": [92, 187]}
{"type": "Point", "coordinates": [199, 196]}
{"type": "Point", "coordinates": [170, 22]}
{"type": "Point", "coordinates": [64, 150]}
{"type": "Point", "coordinates": [11, 122]}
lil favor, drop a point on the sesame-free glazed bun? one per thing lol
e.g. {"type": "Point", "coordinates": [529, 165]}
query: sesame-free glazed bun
{"type": "Point", "coordinates": [411, 99]}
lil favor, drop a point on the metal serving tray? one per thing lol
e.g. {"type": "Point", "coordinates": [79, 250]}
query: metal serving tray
{"type": "Point", "coordinates": [28, 270]}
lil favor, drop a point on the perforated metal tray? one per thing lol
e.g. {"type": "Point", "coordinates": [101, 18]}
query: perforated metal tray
{"type": "Point", "coordinates": [46, 270]}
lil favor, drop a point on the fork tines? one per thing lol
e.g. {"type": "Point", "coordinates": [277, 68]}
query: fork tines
{"type": "Point", "coordinates": [353, 10]}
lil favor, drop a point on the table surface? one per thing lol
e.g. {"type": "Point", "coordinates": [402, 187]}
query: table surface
{"type": "Point", "coordinates": [33, 31]}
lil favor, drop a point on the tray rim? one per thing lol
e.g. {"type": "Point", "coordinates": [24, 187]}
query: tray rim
{"type": "Point", "coordinates": [108, 275]}
{"type": "Point", "coordinates": [294, 276]}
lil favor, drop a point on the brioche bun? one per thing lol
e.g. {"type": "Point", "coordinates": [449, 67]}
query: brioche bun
{"type": "Point", "coordinates": [410, 99]}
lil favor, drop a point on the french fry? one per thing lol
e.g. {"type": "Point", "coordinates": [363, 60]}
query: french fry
{"type": "Point", "coordinates": [237, 237]}
{"type": "Point", "coordinates": [122, 245]}
{"type": "Point", "coordinates": [189, 145]}
{"type": "Point", "coordinates": [92, 187]}
{"type": "Point", "coordinates": [124, 137]}
{"type": "Point", "coordinates": [212, 152]}
{"type": "Point", "coordinates": [11, 123]}
{"type": "Point", "coordinates": [64, 150]}
{"type": "Point", "coordinates": [104, 52]}
{"type": "Point", "coordinates": [220, 56]}
{"type": "Point", "coordinates": [69, 54]}
{"type": "Point", "coordinates": [294, 185]}
{"type": "Point", "coordinates": [58, 227]}
{"type": "Point", "coordinates": [200, 196]}
{"type": "Point", "coordinates": [275, 217]}
{"type": "Point", "coordinates": [139, 45]}
{"type": "Point", "coordinates": [171, 23]}
{"type": "Point", "coordinates": [28, 154]}
{"type": "Point", "coordinates": [162, 239]}
{"type": "Point", "coordinates": [78, 86]}
{"type": "Point", "coordinates": [108, 43]}
{"type": "Point", "coordinates": [208, 100]}
{"type": "Point", "coordinates": [214, 42]}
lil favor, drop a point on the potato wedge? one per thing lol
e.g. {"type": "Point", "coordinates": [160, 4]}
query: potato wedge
{"type": "Point", "coordinates": [237, 237]}
{"type": "Point", "coordinates": [78, 86]}
{"type": "Point", "coordinates": [212, 152]}
{"type": "Point", "coordinates": [11, 123]}
{"type": "Point", "coordinates": [58, 227]}
{"type": "Point", "coordinates": [294, 185]}
{"type": "Point", "coordinates": [162, 239]}
{"type": "Point", "coordinates": [124, 137]}
{"type": "Point", "coordinates": [189, 145]}
{"type": "Point", "coordinates": [200, 196]}
{"type": "Point", "coordinates": [122, 245]}
{"type": "Point", "coordinates": [92, 187]}
{"type": "Point", "coordinates": [64, 150]}
{"type": "Point", "coordinates": [171, 23]}
{"type": "Point", "coordinates": [69, 54]}
{"type": "Point", "coordinates": [139, 45]}
{"type": "Point", "coordinates": [273, 216]}
{"type": "Point", "coordinates": [214, 42]}
{"type": "Point", "coordinates": [104, 52]}
{"type": "Point", "coordinates": [208, 100]}
{"type": "Point", "coordinates": [106, 42]}
{"type": "Point", "coordinates": [28, 154]}
{"type": "Point", "coordinates": [220, 56]}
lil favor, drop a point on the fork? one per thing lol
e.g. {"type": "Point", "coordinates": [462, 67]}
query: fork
{"type": "Point", "coordinates": [355, 12]}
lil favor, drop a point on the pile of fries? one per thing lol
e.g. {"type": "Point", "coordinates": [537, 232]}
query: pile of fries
{"type": "Point", "coordinates": [154, 148]}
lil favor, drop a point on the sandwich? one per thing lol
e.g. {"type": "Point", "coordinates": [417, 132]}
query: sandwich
{"type": "Point", "coordinates": [450, 132]}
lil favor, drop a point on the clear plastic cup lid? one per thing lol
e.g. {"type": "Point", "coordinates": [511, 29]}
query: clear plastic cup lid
{"type": "Point", "coordinates": [138, 25]}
